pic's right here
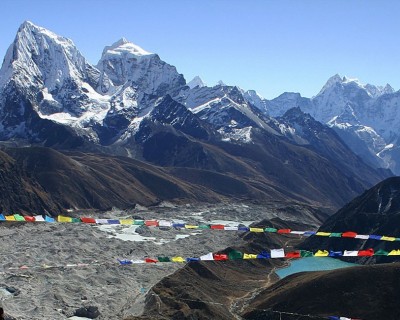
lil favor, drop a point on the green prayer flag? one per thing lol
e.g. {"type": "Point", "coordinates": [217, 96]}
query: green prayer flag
{"type": "Point", "coordinates": [335, 235]}
{"type": "Point", "coordinates": [270, 230]}
{"type": "Point", "coordinates": [76, 220]}
{"type": "Point", "coordinates": [381, 252]}
{"type": "Point", "coordinates": [138, 222]}
{"type": "Point", "coordinates": [18, 217]}
{"type": "Point", "coordinates": [204, 226]}
{"type": "Point", "coordinates": [305, 253]}
{"type": "Point", "coordinates": [163, 259]}
{"type": "Point", "coordinates": [235, 255]}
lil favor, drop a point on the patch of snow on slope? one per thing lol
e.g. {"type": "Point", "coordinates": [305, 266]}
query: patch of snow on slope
{"type": "Point", "coordinates": [240, 135]}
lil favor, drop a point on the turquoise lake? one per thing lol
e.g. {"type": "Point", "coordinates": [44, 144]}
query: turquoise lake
{"type": "Point", "coordinates": [313, 264]}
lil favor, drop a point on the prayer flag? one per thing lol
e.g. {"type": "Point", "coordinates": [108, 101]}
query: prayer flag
{"type": "Point", "coordinates": [256, 229]}
{"type": "Point", "coordinates": [165, 223]}
{"type": "Point", "coordinates": [282, 231]}
{"type": "Point", "coordinates": [190, 226]}
{"type": "Point", "coordinates": [231, 228]}
{"type": "Point", "coordinates": [249, 256]}
{"type": "Point", "coordinates": [207, 257]}
{"type": "Point", "coordinates": [39, 218]}
{"type": "Point", "coordinates": [349, 234]}
{"type": "Point", "coordinates": [277, 253]}
{"type": "Point", "coordinates": [64, 219]}
{"type": "Point", "coordinates": [335, 235]}
{"type": "Point", "coordinates": [220, 257]}
{"type": "Point", "coordinates": [217, 226]}
{"type": "Point", "coordinates": [18, 217]}
{"type": "Point", "coordinates": [366, 253]}
{"type": "Point", "coordinates": [126, 221]}
{"type": "Point", "coordinates": [177, 259]}
{"type": "Point", "coordinates": [235, 255]}
{"type": "Point", "coordinates": [323, 234]}
{"type": "Point", "coordinates": [321, 253]}
{"type": "Point", "coordinates": [350, 253]}
{"type": "Point", "coordinates": [151, 223]}
{"type": "Point", "coordinates": [49, 219]}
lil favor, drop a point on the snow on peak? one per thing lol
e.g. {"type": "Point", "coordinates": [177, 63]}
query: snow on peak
{"type": "Point", "coordinates": [123, 46]}
{"type": "Point", "coordinates": [372, 90]}
{"type": "Point", "coordinates": [38, 53]}
{"type": "Point", "coordinates": [196, 82]}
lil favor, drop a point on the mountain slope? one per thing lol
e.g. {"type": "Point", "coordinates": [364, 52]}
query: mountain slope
{"type": "Point", "coordinates": [366, 117]}
{"type": "Point", "coordinates": [366, 292]}
{"type": "Point", "coordinates": [36, 180]}
{"type": "Point", "coordinates": [376, 211]}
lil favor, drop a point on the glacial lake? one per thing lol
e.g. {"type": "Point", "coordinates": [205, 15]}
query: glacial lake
{"type": "Point", "coordinates": [313, 264]}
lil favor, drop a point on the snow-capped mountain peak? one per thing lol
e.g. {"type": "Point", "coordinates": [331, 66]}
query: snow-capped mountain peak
{"type": "Point", "coordinates": [196, 82]}
{"type": "Point", "coordinates": [127, 64]}
{"type": "Point", "coordinates": [331, 82]}
{"type": "Point", "coordinates": [124, 47]}
{"type": "Point", "coordinates": [372, 90]}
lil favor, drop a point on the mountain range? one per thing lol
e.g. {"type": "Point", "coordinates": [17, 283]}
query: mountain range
{"type": "Point", "coordinates": [365, 116]}
{"type": "Point", "coordinates": [134, 104]}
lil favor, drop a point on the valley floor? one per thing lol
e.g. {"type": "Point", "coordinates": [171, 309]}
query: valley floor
{"type": "Point", "coordinates": [104, 287]}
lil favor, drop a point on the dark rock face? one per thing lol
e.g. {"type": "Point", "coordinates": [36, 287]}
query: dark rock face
{"type": "Point", "coordinates": [376, 211]}
{"type": "Point", "coordinates": [90, 312]}
{"type": "Point", "coordinates": [41, 180]}
{"type": "Point", "coordinates": [352, 292]}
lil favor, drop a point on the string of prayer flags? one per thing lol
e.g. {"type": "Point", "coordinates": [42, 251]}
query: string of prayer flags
{"type": "Point", "coordinates": [272, 254]}
{"type": "Point", "coordinates": [178, 224]}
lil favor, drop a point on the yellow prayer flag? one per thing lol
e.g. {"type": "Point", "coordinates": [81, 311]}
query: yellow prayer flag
{"type": "Point", "coordinates": [189, 226]}
{"type": "Point", "coordinates": [126, 221]}
{"type": "Point", "coordinates": [64, 219]}
{"type": "Point", "coordinates": [323, 234]}
{"type": "Point", "coordinates": [321, 253]}
{"type": "Point", "coordinates": [385, 238]}
{"type": "Point", "coordinates": [394, 253]}
{"type": "Point", "coordinates": [177, 259]}
{"type": "Point", "coordinates": [256, 230]}
{"type": "Point", "coordinates": [10, 218]}
{"type": "Point", "coordinates": [249, 256]}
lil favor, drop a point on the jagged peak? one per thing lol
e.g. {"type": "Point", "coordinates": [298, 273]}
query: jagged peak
{"type": "Point", "coordinates": [331, 82]}
{"type": "Point", "coordinates": [372, 90]}
{"type": "Point", "coordinates": [28, 27]}
{"type": "Point", "coordinates": [221, 83]}
{"type": "Point", "coordinates": [196, 82]}
{"type": "Point", "coordinates": [254, 93]}
{"type": "Point", "coordinates": [124, 46]}
{"type": "Point", "coordinates": [388, 88]}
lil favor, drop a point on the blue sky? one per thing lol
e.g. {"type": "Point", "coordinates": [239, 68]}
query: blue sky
{"type": "Point", "coordinates": [269, 46]}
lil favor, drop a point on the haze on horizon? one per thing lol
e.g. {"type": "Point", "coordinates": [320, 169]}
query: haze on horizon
{"type": "Point", "coordinates": [268, 46]}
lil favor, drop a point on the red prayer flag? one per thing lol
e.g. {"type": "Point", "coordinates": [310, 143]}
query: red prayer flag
{"type": "Point", "coordinates": [284, 230]}
{"type": "Point", "coordinates": [151, 223]}
{"type": "Point", "coordinates": [349, 234]}
{"type": "Point", "coordinates": [29, 219]}
{"type": "Point", "coordinates": [220, 257]}
{"type": "Point", "coordinates": [366, 253]}
{"type": "Point", "coordinates": [294, 254]}
{"type": "Point", "coordinates": [88, 220]}
{"type": "Point", "coordinates": [149, 260]}
{"type": "Point", "coordinates": [217, 226]}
